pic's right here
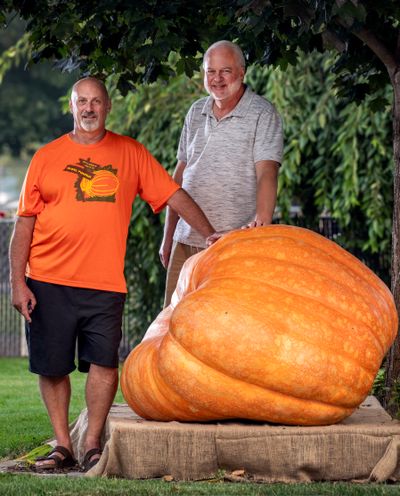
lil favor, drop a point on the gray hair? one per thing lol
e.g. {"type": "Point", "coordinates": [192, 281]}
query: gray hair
{"type": "Point", "coordinates": [229, 45]}
{"type": "Point", "coordinates": [97, 82]}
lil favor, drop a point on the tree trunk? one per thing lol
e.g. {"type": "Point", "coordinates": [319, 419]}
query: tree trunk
{"type": "Point", "coordinates": [392, 398]}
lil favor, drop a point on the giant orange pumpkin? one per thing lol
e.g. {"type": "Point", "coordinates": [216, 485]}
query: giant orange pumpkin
{"type": "Point", "coordinates": [275, 324]}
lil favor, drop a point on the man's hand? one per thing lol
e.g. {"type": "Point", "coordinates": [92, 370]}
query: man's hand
{"type": "Point", "coordinates": [23, 300]}
{"type": "Point", "coordinates": [215, 237]}
{"type": "Point", "coordinates": [165, 251]}
{"type": "Point", "coordinates": [257, 222]}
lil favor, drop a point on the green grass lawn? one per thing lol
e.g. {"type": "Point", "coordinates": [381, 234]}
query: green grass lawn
{"type": "Point", "coordinates": [23, 421]}
{"type": "Point", "coordinates": [24, 426]}
{"type": "Point", "coordinates": [30, 485]}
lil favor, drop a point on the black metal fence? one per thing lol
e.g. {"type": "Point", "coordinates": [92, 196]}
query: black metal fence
{"type": "Point", "coordinates": [12, 337]}
{"type": "Point", "coordinates": [12, 341]}
{"type": "Point", "coordinates": [379, 263]}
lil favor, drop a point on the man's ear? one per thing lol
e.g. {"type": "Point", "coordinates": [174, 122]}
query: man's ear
{"type": "Point", "coordinates": [70, 106]}
{"type": "Point", "coordinates": [109, 106]}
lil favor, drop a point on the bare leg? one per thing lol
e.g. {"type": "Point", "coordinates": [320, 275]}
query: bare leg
{"type": "Point", "coordinates": [101, 387]}
{"type": "Point", "coordinates": [56, 395]}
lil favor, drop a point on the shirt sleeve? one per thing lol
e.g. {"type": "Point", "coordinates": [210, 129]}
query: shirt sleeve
{"type": "Point", "coordinates": [268, 143]}
{"type": "Point", "coordinates": [156, 186]}
{"type": "Point", "coordinates": [30, 201]}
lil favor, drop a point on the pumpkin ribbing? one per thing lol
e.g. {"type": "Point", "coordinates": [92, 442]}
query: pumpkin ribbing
{"type": "Point", "coordinates": [274, 323]}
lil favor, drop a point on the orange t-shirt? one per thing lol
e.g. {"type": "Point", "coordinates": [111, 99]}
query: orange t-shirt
{"type": "Point", "coordinates": [82, 198]}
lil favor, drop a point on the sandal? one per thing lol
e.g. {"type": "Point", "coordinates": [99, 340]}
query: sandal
{"type": "Point", "coordinates": [88, 463]}
{"type": "Point", "coordinates": [59, 463]}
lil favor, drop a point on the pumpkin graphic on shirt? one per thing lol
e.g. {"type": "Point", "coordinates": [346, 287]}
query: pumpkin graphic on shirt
{"type": "Point", "coordinates": [94, 182]}
{"type": "Point", "coordinates": [103, 183]}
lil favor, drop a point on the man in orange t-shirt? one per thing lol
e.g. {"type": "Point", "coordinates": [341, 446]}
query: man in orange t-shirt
{"type": "Point", "coordinates": [67, 259]}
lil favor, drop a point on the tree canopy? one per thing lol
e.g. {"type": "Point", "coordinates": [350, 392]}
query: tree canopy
{"type": "Point", "coordinates": [135, 40]}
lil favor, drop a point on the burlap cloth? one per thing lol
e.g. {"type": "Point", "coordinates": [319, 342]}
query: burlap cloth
{"type": "Point", "coordinates": [364, 447]}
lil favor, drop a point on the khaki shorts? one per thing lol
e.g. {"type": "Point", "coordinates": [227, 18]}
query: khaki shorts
{"type": "Point", "coordinates": [179, 254]}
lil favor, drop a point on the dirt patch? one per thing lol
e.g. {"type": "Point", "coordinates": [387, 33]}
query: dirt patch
{"type": "Point", "coordinates": [13, 466]}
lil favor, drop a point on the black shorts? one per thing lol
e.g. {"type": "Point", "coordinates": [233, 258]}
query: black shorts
{"type": "Point", "coordinates": [66, 316]}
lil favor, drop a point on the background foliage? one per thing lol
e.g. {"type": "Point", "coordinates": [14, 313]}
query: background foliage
{"type": "Point", "coordinates": [337, 154]}
{"type": "Point", "coordinates": [154, 115]}
{"type": "Point", "coordinates": [338, 160]}
{"type": "Point", "coordinates": [29, 108]}
{"type": "Point", "coordinates": [134, 41]}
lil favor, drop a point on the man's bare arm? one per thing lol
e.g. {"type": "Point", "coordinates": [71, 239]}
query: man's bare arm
{"type": "Point", "coordinates": [22, 297]}
{"type": "Point", "coordinates": [171, 219]}
{"type": "Point", "coordinates": [184, 205]}
{"type": "Point", "coordinates": [267, 186]}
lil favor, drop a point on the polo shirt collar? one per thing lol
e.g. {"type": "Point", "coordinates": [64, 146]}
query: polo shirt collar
{"type": "Point", "coordinates": [241, 107]}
